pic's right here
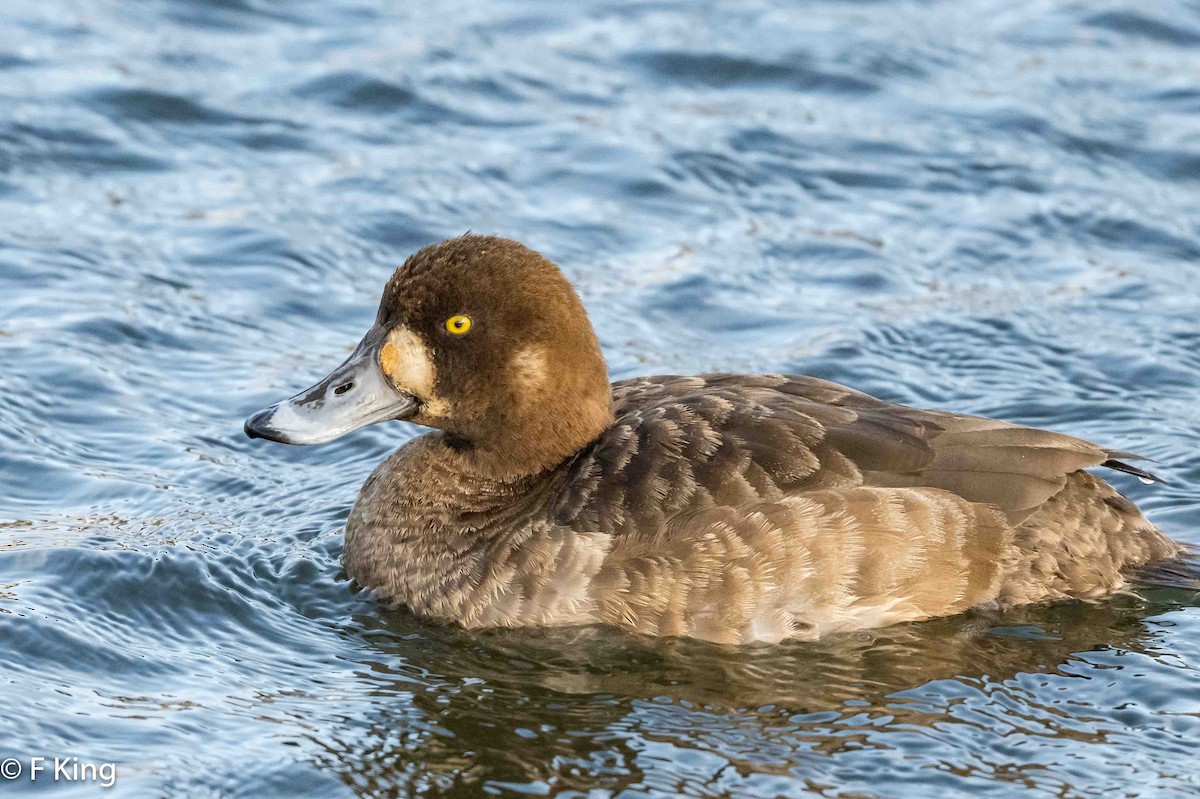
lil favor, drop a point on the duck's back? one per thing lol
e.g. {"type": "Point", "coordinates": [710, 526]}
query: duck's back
{"type": "Point", "coordinates": [762, 507]}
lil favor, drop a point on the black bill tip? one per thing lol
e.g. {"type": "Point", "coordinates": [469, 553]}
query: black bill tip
{"type": "Point", "coordinates": [258, 426]}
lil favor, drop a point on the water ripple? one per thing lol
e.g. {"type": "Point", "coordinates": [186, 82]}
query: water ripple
{"type": "Point", "coordinates": [200, 199]}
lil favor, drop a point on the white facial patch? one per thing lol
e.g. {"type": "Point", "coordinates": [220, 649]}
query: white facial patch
{"type": "Point", "coordinates": [529, 368]}
{"type": "Point", "coordinates": [408, 362]}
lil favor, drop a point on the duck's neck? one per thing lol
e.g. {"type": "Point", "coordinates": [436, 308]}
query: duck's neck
{"type": "Point", "coordinates": [447, 478]}
{"type": "Point", "coordinates": [427, 525]}
{"type": "Point", "coordinates": [529, 439]}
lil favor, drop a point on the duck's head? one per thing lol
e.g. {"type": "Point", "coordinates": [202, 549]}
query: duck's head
{"type": "Point", "coordinates": [480, 337]}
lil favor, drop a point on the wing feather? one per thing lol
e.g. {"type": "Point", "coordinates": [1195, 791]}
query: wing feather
{"type": "Point", "coordinates": [681, 443]}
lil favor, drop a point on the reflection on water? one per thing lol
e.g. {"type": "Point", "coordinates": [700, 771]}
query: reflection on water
{"type": "Point", "coordinates": [586, 709]}
{"type": "Point", "coordinates": [979, 206]}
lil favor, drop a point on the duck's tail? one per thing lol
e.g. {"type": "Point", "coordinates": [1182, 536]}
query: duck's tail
{"type": "Point", "coordinates": [1136, 471]}
{"type": "Point", "coordinates": [1181, 572]}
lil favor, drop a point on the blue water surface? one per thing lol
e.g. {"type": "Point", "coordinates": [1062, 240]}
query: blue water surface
{"type": "Point", "coordinates": [975, 205]}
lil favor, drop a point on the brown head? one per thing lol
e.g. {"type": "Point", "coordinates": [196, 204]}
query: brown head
{"type": "Point", "coordinates": [480, 337]}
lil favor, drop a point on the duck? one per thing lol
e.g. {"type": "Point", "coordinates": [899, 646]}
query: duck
{"type": "Point", "coordinates": [730, 508]}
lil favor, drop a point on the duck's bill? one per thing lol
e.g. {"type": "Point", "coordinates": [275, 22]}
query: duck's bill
{"type": "Point", "coordinates": [354, 395]}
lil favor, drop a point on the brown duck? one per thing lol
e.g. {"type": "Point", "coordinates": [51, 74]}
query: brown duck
{"type": "Point", "coordinates": [732, 508]}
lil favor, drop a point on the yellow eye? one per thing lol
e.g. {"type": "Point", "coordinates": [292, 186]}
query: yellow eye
{"type": "Point", "coordinates": [458, 324]}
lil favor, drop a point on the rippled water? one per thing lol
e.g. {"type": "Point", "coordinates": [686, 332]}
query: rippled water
{"type": "Point", "coordinates": [984, 206]}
